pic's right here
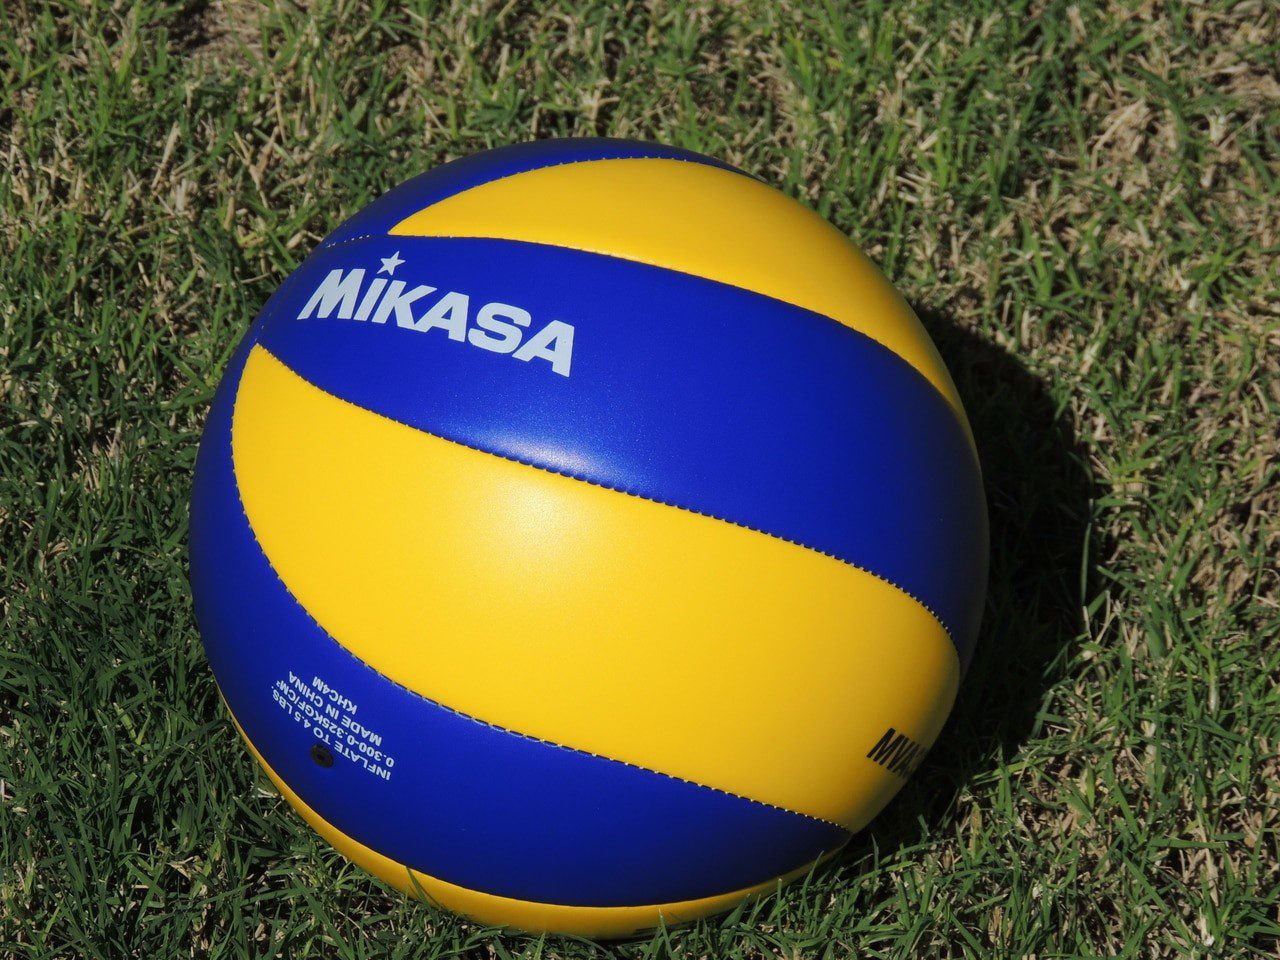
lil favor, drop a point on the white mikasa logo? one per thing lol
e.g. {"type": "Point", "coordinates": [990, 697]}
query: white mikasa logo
{"type": "Point", "coordinates": [497, 327]}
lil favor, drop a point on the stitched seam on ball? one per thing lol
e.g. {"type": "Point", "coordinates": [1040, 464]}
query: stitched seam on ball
{"type": "Point", "coordinates": [517, 173]}
{"type": "Point", "coordinates": [630, 493]}
{"type": "Point", "coordinates": [342, 243]}
{"type": "Point", "coordinates": [436, 703]}
{"type": "Point", "coordinates": [627, 258]}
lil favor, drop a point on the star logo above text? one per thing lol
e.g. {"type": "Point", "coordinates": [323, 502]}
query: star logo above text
{"type": "Point", "coordinates": [390, 263]}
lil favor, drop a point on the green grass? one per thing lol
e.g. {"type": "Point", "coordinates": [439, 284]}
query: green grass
{"type": "Point", "coordinates": [1082, 200]}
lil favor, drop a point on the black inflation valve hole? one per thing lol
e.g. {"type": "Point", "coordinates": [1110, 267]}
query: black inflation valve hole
{"type": "Point", "coordinates": [322, 755]}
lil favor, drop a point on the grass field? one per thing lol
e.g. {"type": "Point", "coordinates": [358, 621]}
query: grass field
{"type": "Point", "coordinates": [1083, 202]}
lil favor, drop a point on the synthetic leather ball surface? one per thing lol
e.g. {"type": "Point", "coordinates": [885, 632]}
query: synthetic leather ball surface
{"type": "Point", "coordinates": [588, 536]}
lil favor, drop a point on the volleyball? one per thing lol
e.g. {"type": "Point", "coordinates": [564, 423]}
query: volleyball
{"type": "Point", "coordinates": [587, 536]}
